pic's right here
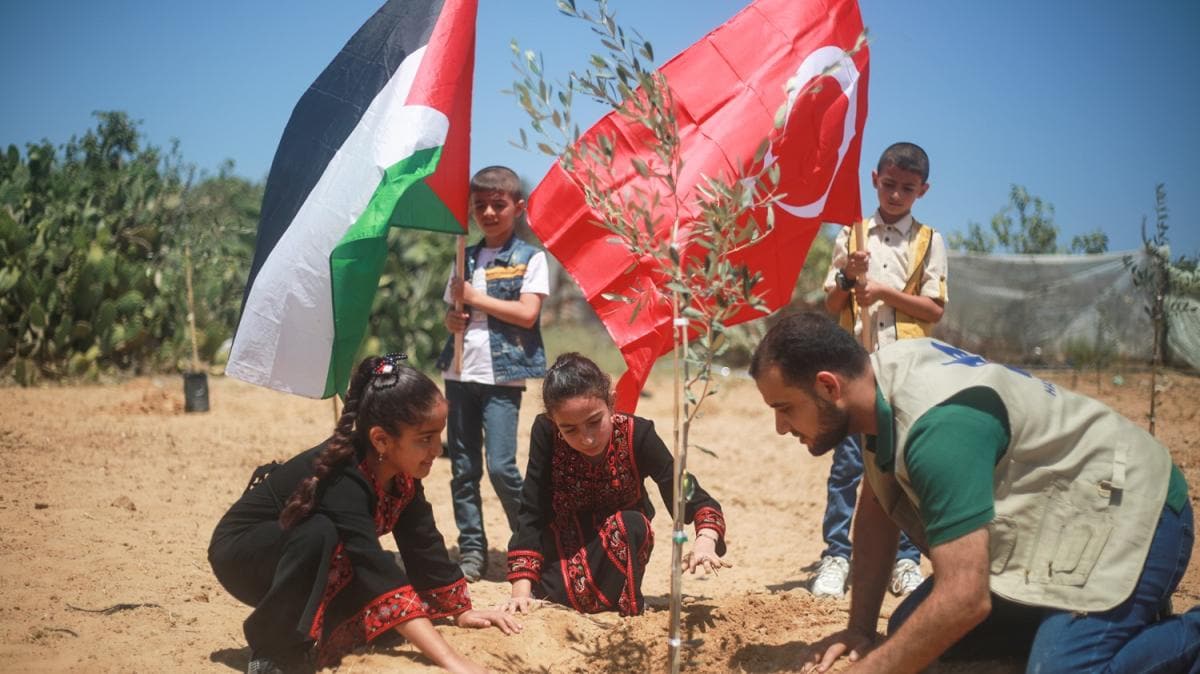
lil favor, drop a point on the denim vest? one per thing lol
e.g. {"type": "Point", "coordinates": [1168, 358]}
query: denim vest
{"type": "Point", "coordinates": [517, 353]}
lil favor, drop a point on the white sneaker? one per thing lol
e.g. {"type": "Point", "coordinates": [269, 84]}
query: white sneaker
{"type": "Point", "coordinates": [830, 580]}
{"type": "Point", "coordinates": [906, 576]}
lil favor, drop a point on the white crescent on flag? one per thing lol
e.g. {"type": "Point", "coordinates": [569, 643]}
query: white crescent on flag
{"type": "Point", "coordinates": [828, 61]}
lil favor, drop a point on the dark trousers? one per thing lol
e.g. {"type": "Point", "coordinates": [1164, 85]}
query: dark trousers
{"type": "Point", "coordinates": [842, 493]}
{"type": "Point", "coordinates": [282, 574]}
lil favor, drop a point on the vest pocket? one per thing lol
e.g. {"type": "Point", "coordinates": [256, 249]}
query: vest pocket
{"type": "Point", "coordinates": [1069, 542]}
{"type": "Point", "coordinates": [1002, 539]}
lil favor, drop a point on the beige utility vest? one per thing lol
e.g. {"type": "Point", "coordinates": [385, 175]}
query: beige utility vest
{"type": "Point", "coordinates": [1078, 492]}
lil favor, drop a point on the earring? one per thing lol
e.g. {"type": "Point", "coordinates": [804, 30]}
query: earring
{"type": "Point", "coordinates": [379, 457]}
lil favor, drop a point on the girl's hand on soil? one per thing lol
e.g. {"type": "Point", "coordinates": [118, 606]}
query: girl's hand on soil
{"type": "Point", "coordinates": [479, 619]}
{"type": "Point", "coordinates": [704, 554]}
{"type": "Point", "coordinates": [520, 605]}
{"type": "Point", "coordinates": [522, 600]}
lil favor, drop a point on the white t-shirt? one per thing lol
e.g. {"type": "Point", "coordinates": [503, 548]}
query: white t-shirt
{"type": "Point", "coordinates": [477, 344]}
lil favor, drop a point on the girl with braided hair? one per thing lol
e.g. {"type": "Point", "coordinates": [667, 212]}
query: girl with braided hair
{"type": "Point", "coordinates": [302, 543]}
{"type": "Point", "coordinates": [585, 538]}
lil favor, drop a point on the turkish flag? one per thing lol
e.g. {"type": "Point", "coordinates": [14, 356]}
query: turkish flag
{"type": "Point", "coordinates": [727, 89]}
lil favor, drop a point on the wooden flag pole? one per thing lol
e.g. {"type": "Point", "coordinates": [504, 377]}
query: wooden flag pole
{"type": "Point", "coordinates": [460, 262]}
{"type": "Point", "coordinates": [865, 313]}
{"type": "Point", "coordinates": [191, 305]}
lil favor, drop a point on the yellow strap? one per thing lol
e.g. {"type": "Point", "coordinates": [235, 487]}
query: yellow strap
{"type": "Point", "coordinates": [918, 252]}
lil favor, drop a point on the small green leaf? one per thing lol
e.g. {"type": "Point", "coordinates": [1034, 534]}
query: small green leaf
{"type": "Point", "coordinates": [37, 316]}
{"type": "Point", "coordinates": [781, 115]}
{"type": "Point", "coordinates": [9, 278]}
{"type": "Point", "coordinates": [637, 309]}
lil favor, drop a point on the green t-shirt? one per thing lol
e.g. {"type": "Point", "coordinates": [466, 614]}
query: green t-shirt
{"type": "Point", "coordinates": [951, 454]}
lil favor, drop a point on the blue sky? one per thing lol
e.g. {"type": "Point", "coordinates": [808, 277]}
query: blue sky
{"type": "Point", "coordinates": [1084, 103]}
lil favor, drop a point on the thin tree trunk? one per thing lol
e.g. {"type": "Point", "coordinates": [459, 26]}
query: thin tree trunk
{"type": "Point", "coordinates": [675, 641]}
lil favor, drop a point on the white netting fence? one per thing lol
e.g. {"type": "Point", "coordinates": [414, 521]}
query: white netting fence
{"type": "Point", "coordinates": [1063, 309]}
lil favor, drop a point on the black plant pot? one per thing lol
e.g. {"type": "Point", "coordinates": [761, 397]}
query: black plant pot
{"type": "Point", "coordinates": [195, 392]}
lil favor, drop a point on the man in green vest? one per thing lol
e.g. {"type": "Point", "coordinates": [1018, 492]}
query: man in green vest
{"type": "Point", "coordinates": [1040, 509]}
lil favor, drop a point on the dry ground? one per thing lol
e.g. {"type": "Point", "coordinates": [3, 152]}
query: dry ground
{"type": "Point", "coordinates": [110, 494]}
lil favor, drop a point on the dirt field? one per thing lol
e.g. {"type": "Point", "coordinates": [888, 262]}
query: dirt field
{"type": "Point", "coordinates": [111, 492]}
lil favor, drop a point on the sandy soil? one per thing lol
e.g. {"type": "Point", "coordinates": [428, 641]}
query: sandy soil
{"type": "Point", "coordinates": [111, 492]}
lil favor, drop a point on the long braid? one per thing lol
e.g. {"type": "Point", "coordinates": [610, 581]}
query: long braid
{"type": "Point", "coordinates": [338, 449]}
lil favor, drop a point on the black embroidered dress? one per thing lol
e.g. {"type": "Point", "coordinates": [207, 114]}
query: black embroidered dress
{"type": "Point", "coordinates": [328, 580]}
{"type": "Point", "coordinates": [585, 537]}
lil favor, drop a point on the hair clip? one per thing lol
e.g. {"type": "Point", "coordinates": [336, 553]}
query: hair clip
{"type": "Point", "coordinates": [386, 373]}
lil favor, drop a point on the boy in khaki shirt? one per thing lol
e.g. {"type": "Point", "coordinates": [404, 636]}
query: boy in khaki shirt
{"type": "Point", "coordinates": [899, 285]}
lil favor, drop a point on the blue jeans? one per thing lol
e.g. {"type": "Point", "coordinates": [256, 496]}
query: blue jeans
{"type": "Point", "coordinates": [1128, 638]}
{"type": "Point", "coordinates": [482, 414]}
{"type": "Point", "coordinates": [844, 476]}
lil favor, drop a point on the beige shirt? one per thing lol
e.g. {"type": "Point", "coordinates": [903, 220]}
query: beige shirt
{"type": "Point", "coordinates": [889, 246]}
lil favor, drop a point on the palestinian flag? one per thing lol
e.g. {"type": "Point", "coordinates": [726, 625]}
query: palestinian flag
{"type": "Point", "coordinates": [381, 139]}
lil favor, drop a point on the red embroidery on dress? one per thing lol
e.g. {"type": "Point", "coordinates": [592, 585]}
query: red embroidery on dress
{"type": "Point", "coordinates": [524, 564]}
{"type": "Point", "coordinates": [643, 557]}
{"type": "Point", "coordinates": [582, 591]}
{"type": "Point", "coordinates": [611, 486]}
{"type": "Point", "coordinates": [388, 508]}
{"type": "Point", "coordinates": [600, 491]}
{"type": "Point", "coordinates": [381, 614]}
{"type": "Point", "coordinates": [448, 600]}
{"type": "Point", "coordinates": [615, 540]}
{"type": "Point", "coordinates": [340, 573]}
{"type": "Point", "coordinates": [710, 518]}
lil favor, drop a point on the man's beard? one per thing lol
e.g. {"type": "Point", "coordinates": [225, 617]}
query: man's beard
{"type": "Point", "coordinates": [833, 427]}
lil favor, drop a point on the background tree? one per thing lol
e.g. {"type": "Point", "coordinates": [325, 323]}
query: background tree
{"type": "Point", "coordinates": [217, 222]}
{"type": "Point", "coordinates": [1156, 274]}
{"type": "Point", "coordinates": [1092, 243]}
{"type": "Point", "coordinates": [975, 241]}
{"type": "Point", "coordinates": [1024, 227]}
{"type": "Point", "coordinates": [82, 232]}
{"type": "Point", "coordinates": [1033, 232]}
{"type": "Point", "coordinates": [92, 275]}
{"type": "Point", "coordinates": [408, 308]}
